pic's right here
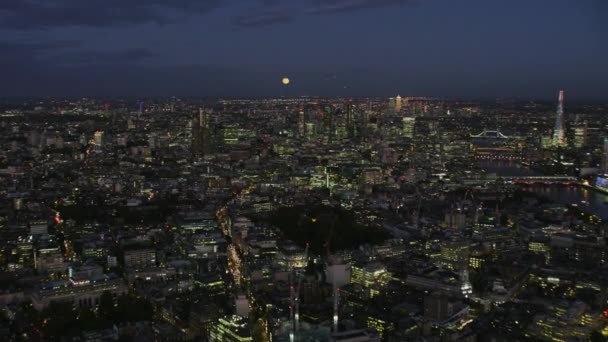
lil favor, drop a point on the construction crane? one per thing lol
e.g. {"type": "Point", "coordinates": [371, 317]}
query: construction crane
{"type": "Point", "coordinates": [291, 313]}
{"type": "Point", "coordinates": [336, 301]}
{"type": "Point", "coordinates": [297, 297]}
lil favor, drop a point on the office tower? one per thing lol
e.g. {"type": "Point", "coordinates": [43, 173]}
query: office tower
{"type": "Point", "coordinates": [130, 123]}
{"type": "Point", "coordinates": [201, 133]}
{"type": "Point", "coordinates": [392, 104]}
{"type": "Point", "coordinates": [363, 122]}
{"type": "Point", "coordinates": [301, 123]}
{"type": "Point", "coordinates": [580, 136]}
{"type": "Point", "coordinates": [230, 329]}
{"type": "Point", "coordinates": [604, 166]}
{"type": "Point", "coordinates": [350, 120]}
{"type": "Point", "coordinates": [398, 103]}
{"type": "Point", "coordinates": [98, 138]}
{"type": "Point", "coordinates": [328, 122]}
{"type": "Point", "coordinates": [408, 127]}
{"type": "Point", "coordinates": [558, 131]}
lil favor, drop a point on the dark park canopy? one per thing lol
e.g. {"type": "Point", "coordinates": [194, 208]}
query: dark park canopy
{"type": "Point", "coordinates": [325, 228]}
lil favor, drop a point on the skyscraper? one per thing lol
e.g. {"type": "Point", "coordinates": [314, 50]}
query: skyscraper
{"type": "Point", "coordinates": [580, 135]}
{"type": "Point", "coordinates": [408, 127]}
{"type": "Point", "coordinates": [350, 122]}
{"type": "Point", "coordinates": [328, 122]}
{"type": "Point", "coordinates": [558, 131]}
{"type": "Point", "coordinates": [604, 166]}
{"type": "Point", "coordinates": [392, 104]}
{"type": "Point", "coordinates": [201, 140]}
{"type": "Point", "coordinates": [398, 103]}
{"type": "Point", "coordinates": [301, 123]}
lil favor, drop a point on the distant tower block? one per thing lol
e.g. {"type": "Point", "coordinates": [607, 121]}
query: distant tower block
{"type": "Point", "coordinates": [201, 132]}
{"type": "Point", "coordinates": [559, 138]}
{"type": "Point", "coordinates": [604, 166]}
{"type": "Point", "coordinates": [398, 103]}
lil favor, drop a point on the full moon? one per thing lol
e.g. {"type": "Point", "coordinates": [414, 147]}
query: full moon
{"type": "Point", "coordinates": [285, 80]}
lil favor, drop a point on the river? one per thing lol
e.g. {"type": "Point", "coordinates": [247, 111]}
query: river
{"type": "Point", "coordinates": [588, 200]}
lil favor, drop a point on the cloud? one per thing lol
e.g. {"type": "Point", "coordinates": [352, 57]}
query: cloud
{"type": "Point", "coordinates": [28, 51]}
{"type": "Point", "coordinates": [264, 17]}
{"type": "Point", "coordinates": [42, 14]}
{"type": "Point", "coordinates": [269, 12]}
{"type": "Point", "coordinates": [45, 14]}
{"type": "Point", "coordinates": [340, 6]}
{"type": "Point", "coordinates": [96, 57]}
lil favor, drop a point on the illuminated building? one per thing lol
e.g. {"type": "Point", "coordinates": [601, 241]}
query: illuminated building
{"type": "Point", "coordinates": [565, 321]}
{"type": "Point", "coordinates": [604, 166]}
{"type": "Point", "coordinates": [372, 176]}
{"type": "Point", "coordinates": [350, 120]}
{"type": "Point", "coordinates": [540, 247]}
{"type": "Point", "coordinates": [455, 219]}
{"type": "Point", "coordinates": [408, 127]}
{"type": "Point", "coordinates": [398, 104]}
{"type": "Point", "coordinates": [310, 130]}
{"type": "Point", "coordinates": [83, 292]}
{"type": "Point", "coordinates": [138, 258]}
{"type": "Point", "coordinates": [98, 138]}
{"type": "Point", "coordinates": [454, 255]}
{"type": "Point", "coordinates": [151, 275]}
{"type": "Point", "coordinates": [328, 123]}
{"type": "Point", "coordinates": [380, 324]}
{"type": "Point", "coordinates": [580, 136]}
{"type": "Point", "coordinates": [476, 262]}
{"type": "Point", "coordinates": [446, 314]}
{"type": "Point", "coordinates": [38, 227]}
{"type": "Point", "coordinates": [51, 263]}
{"type": "Point", "coordinates": [559, 138]}
{"type": "Point", "coordinates": [230, 329]}
{"type": "Point", "coordinates": [301, 124]}
{"type": "Point", "coordinates": [235, 135]}
{"type": "Point", "coordinates": [201, 133]}
{"type": "Point", "coordinates": [392, 104]}
{"type": "Point", "coordinates": [494, 145]}
{"type": "Point", "coordinates": [291, 256]}
{"type": "Point", "coordinates": [373, 277]}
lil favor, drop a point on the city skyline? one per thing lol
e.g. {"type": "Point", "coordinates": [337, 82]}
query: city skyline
{"type": "Point", "coordinates": [311, 170]}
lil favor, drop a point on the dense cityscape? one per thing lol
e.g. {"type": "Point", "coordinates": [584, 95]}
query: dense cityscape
{"type": "Point", "coordinates": [303, 219]}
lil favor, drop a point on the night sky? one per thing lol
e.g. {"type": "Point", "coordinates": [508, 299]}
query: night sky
{"type": "Point", "coordinates": [450, 48]}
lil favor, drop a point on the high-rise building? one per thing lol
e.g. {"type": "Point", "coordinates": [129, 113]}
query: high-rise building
{"type": "Point", "coordinates": [350, 122]}
{"type": "Point", "coordinates": [392, 104]}
{"type": "Point", "coordinates": [604, 166]}
{"type": "Point", "coordinates": [558, 132]}
{"type": "Point", "coordinates": [201, 133]}
{"type": "Point", "coordinates": [408, 127]}
{"type": "Point", "coordinates": [301, 124]}
{"type": "Point", "coordinates": [230, 329]}
{"type": "Point", "coordinates": [328, 122]}
{"type": "Point", "coordinates": [580, 136]}
{"type": "Point", "coordinates": [98, 138]}
{"type": "Point", "coordinates": [398, 103]}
